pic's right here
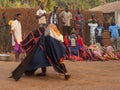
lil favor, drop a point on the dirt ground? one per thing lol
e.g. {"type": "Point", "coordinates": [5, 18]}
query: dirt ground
{"type": "Point", "coordinates": [85, 75]}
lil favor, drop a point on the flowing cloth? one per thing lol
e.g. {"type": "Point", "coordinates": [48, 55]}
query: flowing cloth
{"type": "Point", "coordinates": [31, 45]}
{"type": "Point", "coordinates": [48, 51]}
{"type": "Point", "coordinates": [55, 50]}
{"type": "Point", "coordinates": [54, 47]}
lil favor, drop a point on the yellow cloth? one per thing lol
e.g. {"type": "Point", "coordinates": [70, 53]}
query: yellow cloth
{"type": "Point", "coordinates": [55, 29]}
{"type": "Point", "coordinates": [10, 22]}
{"type": "Point", "coordinates": [93, 47]}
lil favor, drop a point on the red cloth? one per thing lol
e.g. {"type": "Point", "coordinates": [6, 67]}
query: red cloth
{"type": "Point", "coordinates": [66, 42]}
{"type": "Point", "coordinates": [118, 56]}
{"type": "Point", "coordinates": [80, 42]}
{"type": "Point", "coordinates": [73, 57]}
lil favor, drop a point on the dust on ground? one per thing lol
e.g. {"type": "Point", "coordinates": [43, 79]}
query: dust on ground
{"type": "Point", "coordinates": [85, 75]}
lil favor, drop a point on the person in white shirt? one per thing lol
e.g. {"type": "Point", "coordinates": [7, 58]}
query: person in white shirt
{"type": "Point", "coordinates": [17, 35]}
{"type": "Point", "coordinates": [92, 26]}
{"type": "Point", "coordinates": [41, 15]}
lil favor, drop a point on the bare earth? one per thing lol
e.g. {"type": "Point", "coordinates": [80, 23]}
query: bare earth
{"type": "Point", "coordinates": [85, 75]}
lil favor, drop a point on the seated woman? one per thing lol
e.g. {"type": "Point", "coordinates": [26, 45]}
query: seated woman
{"type": "Point", "coordinates": [83, 52]}
{"type": "Point", "coordinates": [80, 41]}
{"type": "Point", "coordinates": [66, 41]}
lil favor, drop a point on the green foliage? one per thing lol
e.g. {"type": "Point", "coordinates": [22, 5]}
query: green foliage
{"type": "Point", "coordinates": [73, 4]}
{"type": "Point", "coordinates": [16, 4]}
{"type": "Point", "coordinates": [19, 4]}
{"type": "Point", "coordinates": [4, 3]}
{"type": "Point", "coordinates": [49, 5]}
{"type": "Point", "coordinates": [83, 4]}
{"type": "Point", "coordinates": [94, 3]}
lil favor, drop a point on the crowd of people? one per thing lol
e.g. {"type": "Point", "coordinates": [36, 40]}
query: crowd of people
{"type": "Point", "coordinates": [96, 49]}
{"type": "Point", "coordinates": [65, 17]}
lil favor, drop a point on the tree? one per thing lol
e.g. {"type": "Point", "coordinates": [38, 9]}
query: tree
{"type": "Point", "coordinates": [4, 3]}
{"type": "Point", "coordinates": [83, 4]}
{"type": "Point", "coordinates": [73, 4]}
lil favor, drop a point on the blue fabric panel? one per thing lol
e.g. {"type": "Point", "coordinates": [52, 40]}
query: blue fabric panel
{"type": "Point", "coordinates": [39, 60]}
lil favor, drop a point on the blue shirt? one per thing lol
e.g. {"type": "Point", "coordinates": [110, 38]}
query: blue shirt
{"type": "Point", "coordinates": [114, 31]}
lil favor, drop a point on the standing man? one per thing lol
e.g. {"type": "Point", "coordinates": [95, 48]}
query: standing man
{"type": "Point", "coordinates": [16, 30]}
{"type": "Point", "coordinates": [4, 29]}
{"type": "Point", "coordinates": [78, 22]}
{"type": "Point", "coordinates": [114, 30]}
{"type": "Point", "coordinates": [66, 17]}
{"type": "Point", "coordinates": [41, 15]}
{"type": "Point", "coordinates": [54, 17]}
{"type": "Point", "coordinates": [93, 25]}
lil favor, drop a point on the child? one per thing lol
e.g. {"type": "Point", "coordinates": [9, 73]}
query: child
{"type": "Point", "coordinates": [72, 38]}
{"type": "Point", "coordinates": [99, 32]}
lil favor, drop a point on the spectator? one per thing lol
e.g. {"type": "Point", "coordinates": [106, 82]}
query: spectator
{"type": "Point", "coordinates": [92, 25]}
{"type": "Point", "coordinates": [72, 38]}
{"type": "Point", "coordinates": [54, 17]}
{"type": "Point", "coordinates": [41, 15]}
{"type": "Point", "coordinates": [11, 35]}
{"type": "Point", "coordinates": [99, 33]}
{"type": "Point", "coordinates": [16, 30]}
{"type": "Point", "coordinates": [66, 17]}
{"type": "Point", "coordinates": [78, 22]}
{"type": "Point", "coordinates": [115, 37]}
{"type": "Point", "coordinates": [80, 41]}
{"type": "Point", "coordinates": [66, 41]}
{"type": "Point", "coordinates": [4, 29]}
